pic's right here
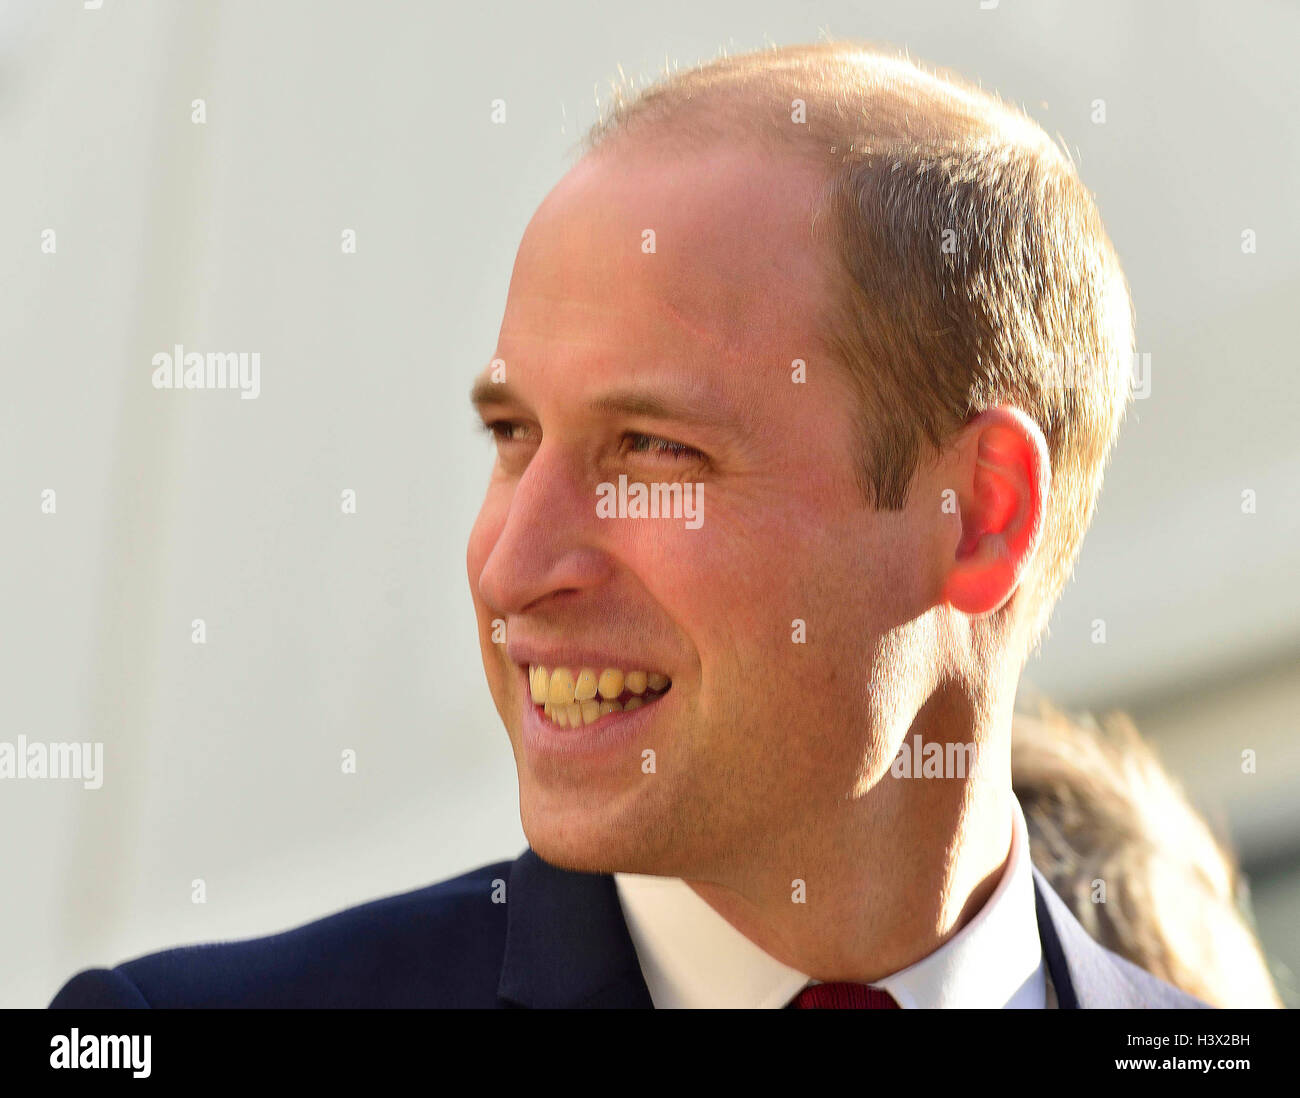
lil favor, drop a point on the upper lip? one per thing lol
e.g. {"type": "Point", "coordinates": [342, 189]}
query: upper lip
{"type": "Point", "coordinates": [526, 654]}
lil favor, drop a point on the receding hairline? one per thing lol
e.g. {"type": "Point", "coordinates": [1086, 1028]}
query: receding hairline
{"type": "Point", "coordinates": [751, 96]}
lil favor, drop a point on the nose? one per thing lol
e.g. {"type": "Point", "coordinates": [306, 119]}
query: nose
{"type": "Point", "coordinates": [549, 545]}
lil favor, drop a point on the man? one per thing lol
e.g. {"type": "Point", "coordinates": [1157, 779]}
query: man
{"type": "Point", "coordinates": [807, 375]}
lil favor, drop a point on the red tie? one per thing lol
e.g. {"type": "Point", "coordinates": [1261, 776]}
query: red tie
{"type": "Point", "coordinates": [843, 997]}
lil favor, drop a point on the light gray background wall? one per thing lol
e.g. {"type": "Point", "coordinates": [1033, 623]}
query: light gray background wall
{"type": "Point", "coordinates": [328, 631]}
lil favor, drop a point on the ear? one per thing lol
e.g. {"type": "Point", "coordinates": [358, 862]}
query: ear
{"type": "Point", "coordinates": [1004, 474]}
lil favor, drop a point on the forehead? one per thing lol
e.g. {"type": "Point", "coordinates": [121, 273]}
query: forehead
{"type": "Point", "coordinates": [644, 250]}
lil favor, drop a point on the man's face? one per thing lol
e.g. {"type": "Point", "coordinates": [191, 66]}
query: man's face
{"type": "Point", "coordinates": [677, 365]}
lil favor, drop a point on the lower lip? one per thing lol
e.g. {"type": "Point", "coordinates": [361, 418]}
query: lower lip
{"type": "Point", "coordinates": [613, 734]}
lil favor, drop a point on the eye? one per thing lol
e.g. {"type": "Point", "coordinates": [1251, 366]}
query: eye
{"type": "Point", "coordinates": [506, 430]}
{"type": "Point", "coordinates": [662, 447]}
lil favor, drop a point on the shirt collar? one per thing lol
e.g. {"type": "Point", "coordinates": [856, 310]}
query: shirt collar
{"type": "Point", "coordinates": [691, 956]}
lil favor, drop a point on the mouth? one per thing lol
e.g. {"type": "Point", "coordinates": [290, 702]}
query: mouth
{"type": "Point", "coordinates": [579, 696]}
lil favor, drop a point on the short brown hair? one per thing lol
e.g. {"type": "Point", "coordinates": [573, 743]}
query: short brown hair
{"type": "Point", "coordinates": [978, 270]}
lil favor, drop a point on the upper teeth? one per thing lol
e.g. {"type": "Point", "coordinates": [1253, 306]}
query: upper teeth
{"type": "Point", "coordinates": [565, 687]}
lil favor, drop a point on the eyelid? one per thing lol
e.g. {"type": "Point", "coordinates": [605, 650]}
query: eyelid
{"type": "Point", "coordinates": [682, 452]}
{"type": "Point", "coordinates": [495, 428]}
{"type": "Point", "coordinates": [668, 449]}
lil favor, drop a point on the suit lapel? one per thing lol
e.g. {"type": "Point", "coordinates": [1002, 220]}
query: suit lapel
{"type": "Point", "coordinates": [1081, 970]}
{"type": "Point", "coordinates": [567, 943]}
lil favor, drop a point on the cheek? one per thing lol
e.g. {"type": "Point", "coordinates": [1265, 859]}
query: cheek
{"type": "Point", "coordinates": [703, 582]}
{"type": "Point", "coordinates": [751, 571]}
{"type": "Point", "coordinates": [901, 568]}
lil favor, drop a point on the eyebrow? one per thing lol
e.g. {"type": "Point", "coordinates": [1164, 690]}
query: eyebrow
{"type": "Point", "coordinates": [486, 391]}
{"type": "Point", "coordinates": [631, 401]}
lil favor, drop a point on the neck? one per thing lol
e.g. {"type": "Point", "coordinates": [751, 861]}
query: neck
{"type": "Point", "coordinates": [888, 875]}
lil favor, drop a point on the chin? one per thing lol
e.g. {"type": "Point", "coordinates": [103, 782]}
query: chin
{"type": "Point", "coordinates": [574, 853]}
{"type": "Point", "coordinates": [589, 843]}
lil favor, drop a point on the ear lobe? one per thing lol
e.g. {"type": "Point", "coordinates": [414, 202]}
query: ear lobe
{"type": "Point", "coordinates": [1007, 474]}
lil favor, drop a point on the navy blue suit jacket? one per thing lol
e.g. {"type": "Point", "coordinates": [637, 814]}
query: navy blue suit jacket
{"type": "Point", "coordinates": [559, 940]}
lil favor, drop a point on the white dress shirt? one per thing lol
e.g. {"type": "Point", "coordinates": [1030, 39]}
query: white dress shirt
{"type": "Point", "coordinates": [692, 957]}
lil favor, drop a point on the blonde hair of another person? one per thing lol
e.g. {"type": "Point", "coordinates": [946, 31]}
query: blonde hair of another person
{"type": "Point", "coordinates": [1104, 814]}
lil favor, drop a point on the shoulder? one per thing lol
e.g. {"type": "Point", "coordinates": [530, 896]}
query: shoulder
{"type": "Point", "coordinates": [1087, 974]}
{"type": "Point", "coordinates": [1151, 991]}
{"type": "Point", "coordinates": [440, 945]}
